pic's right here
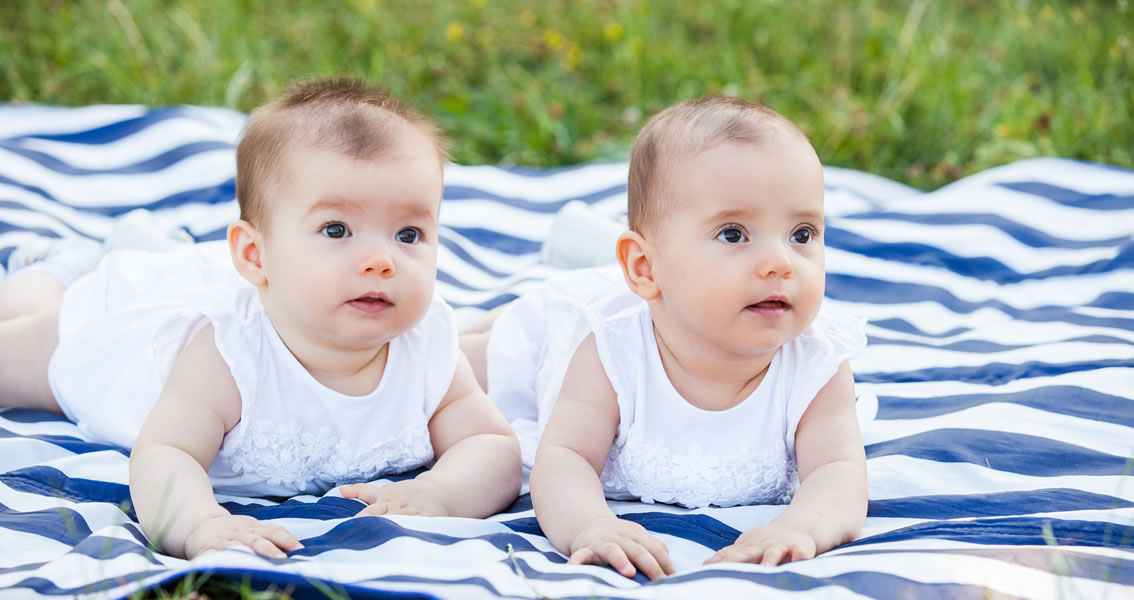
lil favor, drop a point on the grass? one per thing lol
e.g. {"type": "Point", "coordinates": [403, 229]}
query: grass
{"type": "Point", "coordinates": [918, 91]}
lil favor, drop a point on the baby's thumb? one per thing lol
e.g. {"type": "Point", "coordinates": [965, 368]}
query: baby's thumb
{"type": "Point", "coordinates": [361, 491]}
{"type": "Point", "coordinates": [374, 510]}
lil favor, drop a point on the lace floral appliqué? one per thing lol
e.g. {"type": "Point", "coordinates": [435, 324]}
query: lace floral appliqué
{"type": "Point", "coordinates": [286, 454]}
{"type": "Point", "coordinates": [655, 473]}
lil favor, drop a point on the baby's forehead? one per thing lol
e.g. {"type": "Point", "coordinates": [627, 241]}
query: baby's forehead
{"type": "Point", "coordinates": [361, 131]}
{"type": "Point", "coordinates": [742, 178]}
{"type": "Point", "coordinates": [403, 143]}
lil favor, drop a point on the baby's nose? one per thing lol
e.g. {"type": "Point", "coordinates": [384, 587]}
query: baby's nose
{"type": "Point", "coordinates": [774, 260]}
{"type": "Point", "coordinates": [377, 259]}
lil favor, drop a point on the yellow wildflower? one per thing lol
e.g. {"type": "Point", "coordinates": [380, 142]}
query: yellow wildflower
{"type": "Point", "coordinates": [612, 31]}
{"type": "Point", "coordinates": [364, 6]}
{"type": "Point", "coordinates": [574, 54]}
{"type": "Point", "coordinates": [1003, 131]}
{"type": "Point", "coordinates": [553, 39]}
{"type": "Point", "coordinates": [454, 32]}
{"type": "Point", "coordinates": [1047, 13]}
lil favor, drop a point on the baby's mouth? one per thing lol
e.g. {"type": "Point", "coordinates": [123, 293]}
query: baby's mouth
{"type": "Point", "coordinates": [771, 304]}
{"type": "Point", "coordinates": [371, 302]}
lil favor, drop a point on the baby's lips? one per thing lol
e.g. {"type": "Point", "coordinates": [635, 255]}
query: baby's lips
{"type": "Point", "coordinates": [771, 304]}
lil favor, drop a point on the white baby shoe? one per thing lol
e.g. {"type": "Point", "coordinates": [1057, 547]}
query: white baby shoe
{"type": "Point", "coordinates": [580, 238]}
{"type": "Point", "coordinates": [65, 259]}
{"type": "Point", "coordinates": [139, 229]}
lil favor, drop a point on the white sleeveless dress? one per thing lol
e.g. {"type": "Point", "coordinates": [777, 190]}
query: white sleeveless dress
{"type": "Point", "coordinates": [665, 449]}
{"type": "Point", "coordinates": [122, 326]}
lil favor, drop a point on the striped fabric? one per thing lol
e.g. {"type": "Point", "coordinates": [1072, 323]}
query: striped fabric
{"type": "Point", "coordinates": [1001, 461]}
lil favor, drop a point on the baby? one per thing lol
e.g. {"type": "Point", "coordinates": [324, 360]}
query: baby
{"type": "Point", "coordinates": [323, 358]}
{"type": "Point", "coordinates": [711, 376]}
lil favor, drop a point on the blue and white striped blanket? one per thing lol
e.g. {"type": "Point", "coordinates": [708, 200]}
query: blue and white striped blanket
{"type": "Point", "coordinates": [1001, 461]}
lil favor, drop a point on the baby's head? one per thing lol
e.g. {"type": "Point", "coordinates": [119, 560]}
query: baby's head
{"type": "Point", "coordinates": [684, 130]}
{"type": "Point", "coordinates": [339, 187]}
{"type": "Point", "coordinates": [340, 115]}
{"type": "Point", "coordinates": [726, 216]}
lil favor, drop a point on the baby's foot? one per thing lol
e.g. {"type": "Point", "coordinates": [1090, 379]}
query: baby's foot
{"type": "Point", "coordinates": [65, 259]}
{"type": "Point", "coordinates": [139, 229]}
{"type": "Point", "coordinates": [580, 238]}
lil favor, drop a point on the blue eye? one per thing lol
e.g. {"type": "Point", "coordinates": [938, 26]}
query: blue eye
{"type": "Point", "coordinates": [732, 235]}
{"type": "Point", "coordinates": [803, 236]}
{"type": "Point", "coordinates": [335, 230]}
{"type": "Point", "coordinates": [409, 235]}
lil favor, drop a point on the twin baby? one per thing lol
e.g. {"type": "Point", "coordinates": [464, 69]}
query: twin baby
{"type": "Point", "coordinates": [699, 371]}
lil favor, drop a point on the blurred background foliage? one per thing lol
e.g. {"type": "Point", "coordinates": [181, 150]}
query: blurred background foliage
{"type": "Point", "coordinates": [919, 91]}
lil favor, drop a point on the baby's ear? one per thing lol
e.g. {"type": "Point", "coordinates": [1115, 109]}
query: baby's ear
{"type": "Point", "coordinates": [245, 244]}
{"type": "Point", "coordinates": [635, 254]}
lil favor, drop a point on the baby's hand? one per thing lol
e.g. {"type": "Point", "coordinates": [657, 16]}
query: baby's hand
{"type": "Point", "coordinates": [623, 545]}
{"type": "Point", "coordinates": [769, 545]}
{"type": "Point", "coordinates": [231, 530]}
{"type": "Point", "coordinates": [409, 497]}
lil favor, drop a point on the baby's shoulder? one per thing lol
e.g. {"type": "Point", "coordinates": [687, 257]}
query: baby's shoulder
{"type": "Point", "coordinates": [831, 332]}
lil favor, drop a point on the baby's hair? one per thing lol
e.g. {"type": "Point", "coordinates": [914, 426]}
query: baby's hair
{"type": "Point", "coordinates": [339, 114]}
{"type": "Point", "coordinates": [683, 130]}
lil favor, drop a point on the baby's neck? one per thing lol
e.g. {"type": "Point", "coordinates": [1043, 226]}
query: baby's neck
{"type": "Point", "coordinates": [354, 372]}
{"type": "Point", "coordinates": [704, 376]}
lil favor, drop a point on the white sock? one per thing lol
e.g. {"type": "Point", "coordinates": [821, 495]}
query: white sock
{"type": "Point", "coordinates": [580, 238]}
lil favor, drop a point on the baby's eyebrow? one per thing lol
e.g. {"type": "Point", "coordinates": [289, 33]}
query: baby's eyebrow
{"type": "Point", "coordinates": [333, 204]}
{"type": "Point", "coordinates": [796, 215]}
{"type": "Point", "coordinates": [807, 214]}
{"type": "Point", "coordinates": [728, 213]}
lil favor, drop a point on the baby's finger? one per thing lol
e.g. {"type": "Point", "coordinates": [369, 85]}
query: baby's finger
{"type": "Point", "coordinates": [717, 556]}
{"type": "Point", "coordinates": [360, 491]}
{"type": "Point", "coordinates": [661, 553]}
{"type": "Point", "coordinates": [646, 562]}
{"type": "Point", "coordinates": [800, 553]}
{"type": "Point", "coordinates": [582, 556]}
{"type": "Point", "coordinates": [394, 507]}
{"type": "Point", "coordinates": [722, 555]}
{"type": "Point", "coordinates": [261, 545]}
{"type": "Point", "coordinates": [282, 538]}
{"type": "Point", "coordinates": [374, 510]}
{"type": "Point", "coordinates": [749, 554]}
{"type": "Point", "coordinates": [774, 555]}
{"type": "Point", "coordinates": [616, 557]}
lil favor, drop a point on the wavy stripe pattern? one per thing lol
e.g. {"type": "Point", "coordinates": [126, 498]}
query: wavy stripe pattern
{"type": "Point", "coordinates": [1001, 328]}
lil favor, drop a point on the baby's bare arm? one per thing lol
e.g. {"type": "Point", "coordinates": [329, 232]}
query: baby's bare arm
{"type": "Point", "coordinates": [566, 492]}
{"type": "Point", "coordinates": [169, 483]}
{"type": "Point", "coordinates": [478, 470]}
{"type": "Point", "coordinates": [829, 508]}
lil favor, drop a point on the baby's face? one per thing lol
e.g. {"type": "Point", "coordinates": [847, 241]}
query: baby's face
{"type": "Point", "coordinates": [350, 248]}
{"type": "Point", "coordinates": [739, 249]}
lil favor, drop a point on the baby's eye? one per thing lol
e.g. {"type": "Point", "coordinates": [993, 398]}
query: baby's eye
{"type": "Point", "coordinates": [335, 230]}
{"type": "Point", "coordinates": [409, 235]}
{"type": "Point", "coordinates": [803, 236]}
{"type": "Point", "coordinates": [732, 235]}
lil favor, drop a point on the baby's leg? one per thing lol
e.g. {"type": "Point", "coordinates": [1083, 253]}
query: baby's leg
{"type": "Point", "coordinates": [29, 333]}
{"type": "Point", "coordinates": [26, 293]}
{"type": "Point", "coordinates": [474, 343]}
